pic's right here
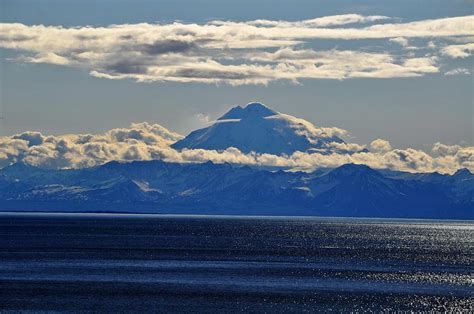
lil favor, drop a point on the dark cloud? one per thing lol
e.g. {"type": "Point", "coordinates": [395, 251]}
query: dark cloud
{"type": "Point", "coordinates": [127, 67]}
{"type": "Point", "coordinates": [18, 38]}
{"type": "Point", "coordinates": [126, 37]}
{"type": "Point", "coordinates": [168, 46]}
{"type": "Point", "coordinates": [214, 74]}
{"type": "Point", "coordinates": [33, 138]}
{"type": "Point", "coordinates": [87, 37]}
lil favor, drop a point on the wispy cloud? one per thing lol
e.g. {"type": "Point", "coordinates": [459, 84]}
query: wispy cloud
{"type": "Point", "coordinates": [236, 53]}
{"type": "Point", "coordinates": [458, 71]}
{"type": "Point", "coordinates": [204, 119]}
{"type": "Point", "coordinates": [400, 40]}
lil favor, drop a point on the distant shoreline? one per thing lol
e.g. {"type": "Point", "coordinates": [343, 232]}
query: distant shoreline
{"type": "Point", "coordinates": [217, 216]}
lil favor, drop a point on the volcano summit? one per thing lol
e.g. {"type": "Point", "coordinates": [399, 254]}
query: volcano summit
{"type": "Point", "coordinates": [257, 128]}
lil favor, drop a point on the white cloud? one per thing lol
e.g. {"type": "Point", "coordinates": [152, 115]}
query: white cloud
{"type": "Point", "coordinates": [143, 141]}
{"type": "Point", "coordinates": [337, 64]}
{"type": "Point", "coordinates": [403, 42]}
{"type": "Point", "coordinates": [458, 71]}
{"type": "Point", "coordinates": [400, 40]}
{"type": "Point", "coordinates": [334, 20]}
{"type": "Point", "coordinates": [458, 51]}
{"type": "Point", "coordinates": [84, 150]}
{"type": "Point", "coordinates": [431, 45]}
{"type": "Point", "coordinates": [204, 118]}
{"type": "Point", "coordinates": [306, 128]}
{"type": "Point", "coordinates": [380, 145]}
{"type": "Point", "coordinates": [235, 53]}
{"type": "Point", "coordinates": [454, 156]}
{"type": "Point", "coordinates": [48, 57]}
{"type": "Point", "coordinates": [440, 149]}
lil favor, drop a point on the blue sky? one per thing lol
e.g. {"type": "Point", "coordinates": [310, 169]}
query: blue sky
{"type": "Point", "coordinates": [412, 111]}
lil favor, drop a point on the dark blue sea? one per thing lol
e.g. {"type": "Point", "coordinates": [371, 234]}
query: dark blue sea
{"type": "Point", "coordinates": [137, 263]}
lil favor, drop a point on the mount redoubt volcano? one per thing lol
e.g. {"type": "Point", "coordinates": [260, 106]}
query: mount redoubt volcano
{"type": "Point", "coordinates": [208, 188]}
{"type": "Point", "coordinates": [260, 129]}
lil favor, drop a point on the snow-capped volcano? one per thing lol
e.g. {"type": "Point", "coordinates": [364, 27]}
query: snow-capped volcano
{"type": "Point", "coordinates": [260, 129]}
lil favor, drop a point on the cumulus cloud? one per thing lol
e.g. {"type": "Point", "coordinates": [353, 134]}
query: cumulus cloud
{"type": "Point", "coordinates": [454, 155]}
{"type": "Point", "coordinates": [236, 53]}
{"type": "Point", "coordinates": [380, 145]}
{"type": "Point", "coordinates": [143, 141]}
{"type": "Point", "coordinates": [458, 51]}
{"type": "Point", "coordinates": [138, 142]}
{"type": "Point", "coordinates": [440, 149]}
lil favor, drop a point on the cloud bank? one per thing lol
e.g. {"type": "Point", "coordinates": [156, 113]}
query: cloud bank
{"type": "Point", "coordinates": [143, 141]}
{"type": "Point", "coordinates": [236, 53]}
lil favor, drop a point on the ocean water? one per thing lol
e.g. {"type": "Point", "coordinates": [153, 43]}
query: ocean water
{"type": "Point", "coordinates": [94, 262]}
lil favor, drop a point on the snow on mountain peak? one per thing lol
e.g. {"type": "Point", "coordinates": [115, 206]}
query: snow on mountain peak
{"type": "Point", "coordinates": [251, 110]}
{"type": "Point", "coordinates": [259, 109]}
{"type": "Point", "coordinates": [257, 128]}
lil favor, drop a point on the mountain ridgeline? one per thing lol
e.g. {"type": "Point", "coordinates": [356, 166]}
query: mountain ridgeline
{"type": "Point", "coordinates": [207, 188]}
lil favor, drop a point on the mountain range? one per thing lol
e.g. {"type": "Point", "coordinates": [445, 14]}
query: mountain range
{"type": "Point", "coordinates": [210, 188]}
